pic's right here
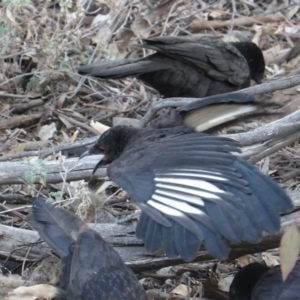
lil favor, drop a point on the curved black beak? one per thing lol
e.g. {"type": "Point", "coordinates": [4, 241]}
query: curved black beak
{"type": "Point", "coordinates": [102, 162]}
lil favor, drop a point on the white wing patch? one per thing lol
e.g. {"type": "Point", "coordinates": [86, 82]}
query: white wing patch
{"type": "Point", "coordinates": [183, 192]}
{"type": "Point", "coordinates": [178, 195]}
{"type": "Point", "coordinates": [204, 176]}
{"type": "Point", "coordinates": [182, 206]}
{"type": "Point", "coordinates": [201, 184]}
{"type": "Point", "coordinates": [199, 193]}
{"type": "Point", "coordinates": [165, 209]}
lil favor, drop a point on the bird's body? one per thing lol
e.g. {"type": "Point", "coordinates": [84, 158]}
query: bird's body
{"type": "Point", "coordinates": [185, 68]}
{"type": "Point", "coordinates": [91, 269]}
{"type": "Point", "coordinates": [191, 189]}
{"type": "Point", "coordinates": [258, 282]}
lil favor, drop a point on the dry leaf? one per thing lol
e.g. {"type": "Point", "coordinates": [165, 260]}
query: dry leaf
{"type": "Point", "coordinates": [124, 121]}
{"type": "Point", "coordinates": [101, 128]}
{"type": "Point", "coordinates": [124, 36]}
{"type": "Point", "coordinates": [34, 94]}
{"type": "Point", "coordinates": [20, 148]}
{"type": "Point", "coordinates": [243, 260]}
{"type": "Point", "coordinates": [229, 38]}
{"type": "Point", "coordinates": [74, 136]}
{"type": "Point", "coordinates": [141, 28]}
{"type": "Point", "coordinates": [257, 36]}
{"type": "Point", "coordinates": [65, 136]}
{"type": "Point", "coordinates": [292, 11]}
{"type": "Point", "coordinates": [10, 16]}
{"type": "Point", "coordinates": [210, 285]}
{"type": "Point", "coordinates": [60, 101]}
{"type": "Point", "coordinates": [44, 291]}
{"type": "Point", "coordinates": [270, 260]}
{"type": "Point", "coordinates": [224, 283]}
{"type": "Point", "coordinates": [4, 107]}
{"type": "Point", "coordinates": [46, 132]}
{"type": "Point", "coordinates": [294, 62]}
{"type": "Point", "coordinates": [103, 35]}
{"type": "Point", "coordinates": [182, 290]}
{"type": "Point", "coordinates": [66, 122]}
{"type": "Point", "coordinates": [289, 250]}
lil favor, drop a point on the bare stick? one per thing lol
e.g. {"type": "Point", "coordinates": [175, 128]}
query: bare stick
{"type": "Point", "coordinates": [278, 128]}
{"type": "Point", "coordinates": [243, 21]}
{"type": "Point", "coordinates": [72, 169]}
{"type": "Point", "coordinates": [280, 84]}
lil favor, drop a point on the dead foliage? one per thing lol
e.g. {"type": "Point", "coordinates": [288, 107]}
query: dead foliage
{"type": "Point", "coordinates": [44, 103]}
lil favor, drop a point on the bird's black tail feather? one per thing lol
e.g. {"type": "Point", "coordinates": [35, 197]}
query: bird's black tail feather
{"type": "Point", "coordinates": [57, 227]}
{"type": "Point", "coordinates": [121, 68]}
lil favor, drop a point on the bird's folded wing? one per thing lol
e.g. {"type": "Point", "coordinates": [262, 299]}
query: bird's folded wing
{"type": "Point", "coordinates": [222, 62]}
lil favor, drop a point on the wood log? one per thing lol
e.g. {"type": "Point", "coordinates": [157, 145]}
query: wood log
{"type": "Point", "coordinates": [23, 244]}
{"type": "Point", "coordinates": [281, 133]}
{"type": "Point", "coordinates": [56, 171]}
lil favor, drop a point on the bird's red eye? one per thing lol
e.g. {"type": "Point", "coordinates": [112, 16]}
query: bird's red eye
{"type": "Point", "coordinates": [101, 149]}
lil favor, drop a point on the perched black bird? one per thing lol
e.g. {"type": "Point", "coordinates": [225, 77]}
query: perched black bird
{"type": "Point", "coordinates": [91, 269]}
{"type": "Point", "coordinates": [214, 111]}
{"type": "Point", "coordinates": [258, 282]}
{"type": "Point", "coordinates": [191, 189]}
{"type": "Point", "coordinates": [185, 68]}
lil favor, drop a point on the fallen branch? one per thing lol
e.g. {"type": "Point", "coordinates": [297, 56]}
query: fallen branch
{"type": "Point", "coordinates": [260, 151]}
{"type": "Point", "coordinates": [243, 21]}
{"type": "Point", "coordinates": [276, 146]}
{"type": "Point", "coordinates": [279, 128]}
{"type": "Point", "coordinates": [49, 151]}
{"type": "Point", "coordinates": [278, 134]}
{"type": "Point", "coordinates": [272, 86]}
{"type": "Point", "coordinates": [56, 171]}
{"type": "Point", "coordinates": [19, 243]}
{"type": "Point", "coordinates": [17, 121]}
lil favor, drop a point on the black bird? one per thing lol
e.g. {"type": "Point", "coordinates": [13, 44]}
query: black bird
{"type": "Point", "coordinates": [91, 269]}
{"type": "Point", "coordinates": [185, 68]}
{"type": "Point", "coordinates": [211, 112]}
{"type": "Point", "coordinates": [259, 282]}
{"type": "Point", "coordinates": [191, 189]}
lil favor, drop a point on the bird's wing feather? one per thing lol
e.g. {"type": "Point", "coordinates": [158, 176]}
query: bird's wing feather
{"type": "Point", "coordinates": [195, 182]}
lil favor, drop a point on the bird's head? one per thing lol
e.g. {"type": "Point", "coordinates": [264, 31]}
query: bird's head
{"type": "Point", "coordinates": [255, 59]}
{"type": "Point", "coordinates": [111, 144]}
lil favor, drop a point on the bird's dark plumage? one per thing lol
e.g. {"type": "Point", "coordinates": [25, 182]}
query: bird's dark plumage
{"type": "Point", "coordinates": [191, 189]}
{"type": "Point", "coordinates": [258, 282]}
{"type": "Point", "coordinates": [91, 269]}
{"type": "Point", "coordinates": [185, 68]}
